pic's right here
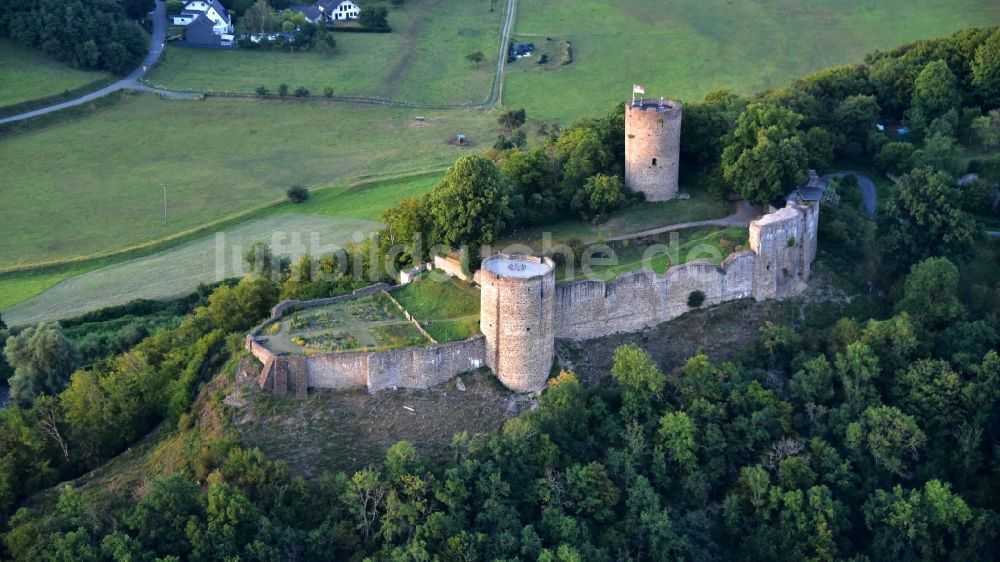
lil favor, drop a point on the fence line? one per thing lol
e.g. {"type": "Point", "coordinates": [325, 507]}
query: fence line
{"type": "Point", "coordinates": [411, 318]}
{"type": "Point", "coordinates": [363, 100]}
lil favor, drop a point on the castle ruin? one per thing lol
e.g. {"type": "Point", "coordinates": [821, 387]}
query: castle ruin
{"type": "Point", "coordinates": [653, 147]}
{"type": "Point", "coordinates": [523, 310]}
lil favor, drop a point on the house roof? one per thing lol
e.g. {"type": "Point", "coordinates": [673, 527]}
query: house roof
{"type": "Point", "coordinates": [221, 9]}
{"type": "Point", "coordinates": [811, 189]}
{"type": "Point", "coordinates": [312, 13]}
{"type": "Point", "coordinates": [212, 4]}
{"type": "Point", "coordinates": [201, 31]}
{"type": "Point", "coordinates": [330, 6]}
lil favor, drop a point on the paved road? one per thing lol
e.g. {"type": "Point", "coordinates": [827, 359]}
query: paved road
{"type": "Point", "coordinates": [867, 189]}
{"type": "Point", "coordinates": [130, 82]}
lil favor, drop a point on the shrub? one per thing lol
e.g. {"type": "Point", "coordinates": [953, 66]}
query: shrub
{"type": "Point", "coordinates": [261, 90]}
{"type": "Point", "coordinates": [328, 92]}
{"type": "Point", "coordinates": [282, 90]}
{"type": "Point", "coordinates": [301, 92]}
{"type": "Point", "coordinates": [696, 299]}
{"type": "Point", "coordinates": [297, 194]}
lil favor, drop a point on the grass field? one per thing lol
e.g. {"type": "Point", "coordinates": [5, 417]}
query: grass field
{"type": "Point", "coordinates": [446, 307]}
{"type": "Point", "coordinates": [423, 59]}
{"type": "Point", "coordinates": [687, 48]}
{"type": "Point", "coordinates": [712, 244]}
{"type": "Point", "coordinates": [27, 74]}
{"type": "Point", "coordinates": [177, 271]}
{"type": "Point", "coordinates": [94, 184]}
{"type": "Point", "coordinates": [701, 206]}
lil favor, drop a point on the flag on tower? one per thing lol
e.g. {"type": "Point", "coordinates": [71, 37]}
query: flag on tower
{"type": "Point", "coordinates": [637, 89]}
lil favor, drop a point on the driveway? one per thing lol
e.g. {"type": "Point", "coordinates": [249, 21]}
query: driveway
{"type": "Point", "coordinates": [867, 186]}
{"type": "Point", "coordinates": [130, 82]}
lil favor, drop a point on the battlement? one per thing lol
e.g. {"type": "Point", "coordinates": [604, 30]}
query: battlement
{"type": "Point", "coordinates": [661, 105]}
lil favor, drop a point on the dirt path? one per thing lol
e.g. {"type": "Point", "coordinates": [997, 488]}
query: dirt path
{"type": "Point", "coordinates": [400, 67]}
{"type": "Point", "coordinates": [744, 214]}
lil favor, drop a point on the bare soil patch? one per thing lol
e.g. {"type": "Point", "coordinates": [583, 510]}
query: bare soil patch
{"type": "Point", "coordinates": [348, 430]}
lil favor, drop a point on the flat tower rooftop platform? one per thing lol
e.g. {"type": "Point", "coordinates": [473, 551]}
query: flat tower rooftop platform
{"type": "Point", "coordinates": [516, 266]}
{"type": "Point", "coordinates": [658, 105]}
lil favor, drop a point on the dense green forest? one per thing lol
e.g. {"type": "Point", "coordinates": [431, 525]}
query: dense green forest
{"type": "Point", "coordinates": [867, 431]}
{"type": "Point", "coordinates": [90, 34]}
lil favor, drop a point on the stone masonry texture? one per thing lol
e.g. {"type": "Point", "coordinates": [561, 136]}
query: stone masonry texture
{"type": "Point", "coordinates": [652, 147]}
{"type": "Point", "coordinates": [517, 318]}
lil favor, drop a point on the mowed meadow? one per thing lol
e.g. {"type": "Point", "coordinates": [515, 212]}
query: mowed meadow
{"type": "Point", "coordinates": [28, 74]}
{"type": "Point", "coordinates": [686, 48]}
{"type": "Point", "coordinates": [332, 217]}
{"type": "Point", "coordinates": [421, 60]}
{"type": "Point", "coordinates": [94, 184]}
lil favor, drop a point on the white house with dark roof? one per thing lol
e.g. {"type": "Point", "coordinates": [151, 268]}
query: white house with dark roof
{"type": "Point", "coordinates": [330, 11]}
{"type": "Point", "coordinates": [339, 10]}
{"type": "Point", "coordinates": [211, 10]}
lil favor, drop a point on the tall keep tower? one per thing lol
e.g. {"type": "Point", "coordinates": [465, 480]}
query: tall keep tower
{"type": "Point", "coordinates": [517, 312]}
{"type": "Point", "coordinates": [652, 147]}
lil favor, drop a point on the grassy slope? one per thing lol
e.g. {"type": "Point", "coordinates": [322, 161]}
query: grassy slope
{"type": "Point", "coordinates": [701, 206]}
{"type": "Point", "coordinates": [437, 297]}
{"type": "Point", "coordinates": [178, 271]}
{"type": "Point", "coordinates": [712, 244]}
{"type": "Point", "coordinates": [447, 308]}
{"type": "Point", "coordinates": [116, 283]}
{"type": "Point", "coordinates": [686, 48]}
{"type": "Point", "coordinates": [423, 59]}
{"type": "Point", "coordinates": [219, 157]}
{"type": "Point", "coordinates": [27, 74]}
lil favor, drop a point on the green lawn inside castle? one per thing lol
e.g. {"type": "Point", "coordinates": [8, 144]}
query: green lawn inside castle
{"type": "Point", "coordinates": [446, 309]}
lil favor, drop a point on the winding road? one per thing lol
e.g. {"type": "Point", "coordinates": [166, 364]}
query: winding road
{"type": "Point", "coordinates": [867, 186]}
{"type": "Point", "coordinates": [130, 82]}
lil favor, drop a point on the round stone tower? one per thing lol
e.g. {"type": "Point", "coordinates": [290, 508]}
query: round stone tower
{"type": "Point", "coordinates": [652, 147]}
{"type": "Point", "coordinates": [516, 316]}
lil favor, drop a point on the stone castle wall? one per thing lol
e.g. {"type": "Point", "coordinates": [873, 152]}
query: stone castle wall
{"type": "Point", "coordinates": [783, 245]}
{"type": "Point", "coordinates": [521, 316]}
{"type": "Point", "coordinates": [781, 241]}
{"type": "Point", "coordinates": [652, 147]}
{"type": "Point", "coordinates": [412, 367]}
{"type": "Point", "coordinates": [517, 319]}
{"type": "Point", "coordinates": [641, 299]}
{"type": "Point", "coordinates": [451, 266]}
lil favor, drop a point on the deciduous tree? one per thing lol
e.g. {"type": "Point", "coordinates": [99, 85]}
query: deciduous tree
{"type": "Point", "coordinates": [765, 157]}
{"type": "Point", "coordinates": [42, 359]}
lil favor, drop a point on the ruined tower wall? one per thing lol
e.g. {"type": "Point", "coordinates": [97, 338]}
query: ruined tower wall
{"type": "Point", "coordinates": [785, 245]}
{"type": "Point", "coordinates": [517, 318]}
{"type": "Point", "coordinates": [652, 147]}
